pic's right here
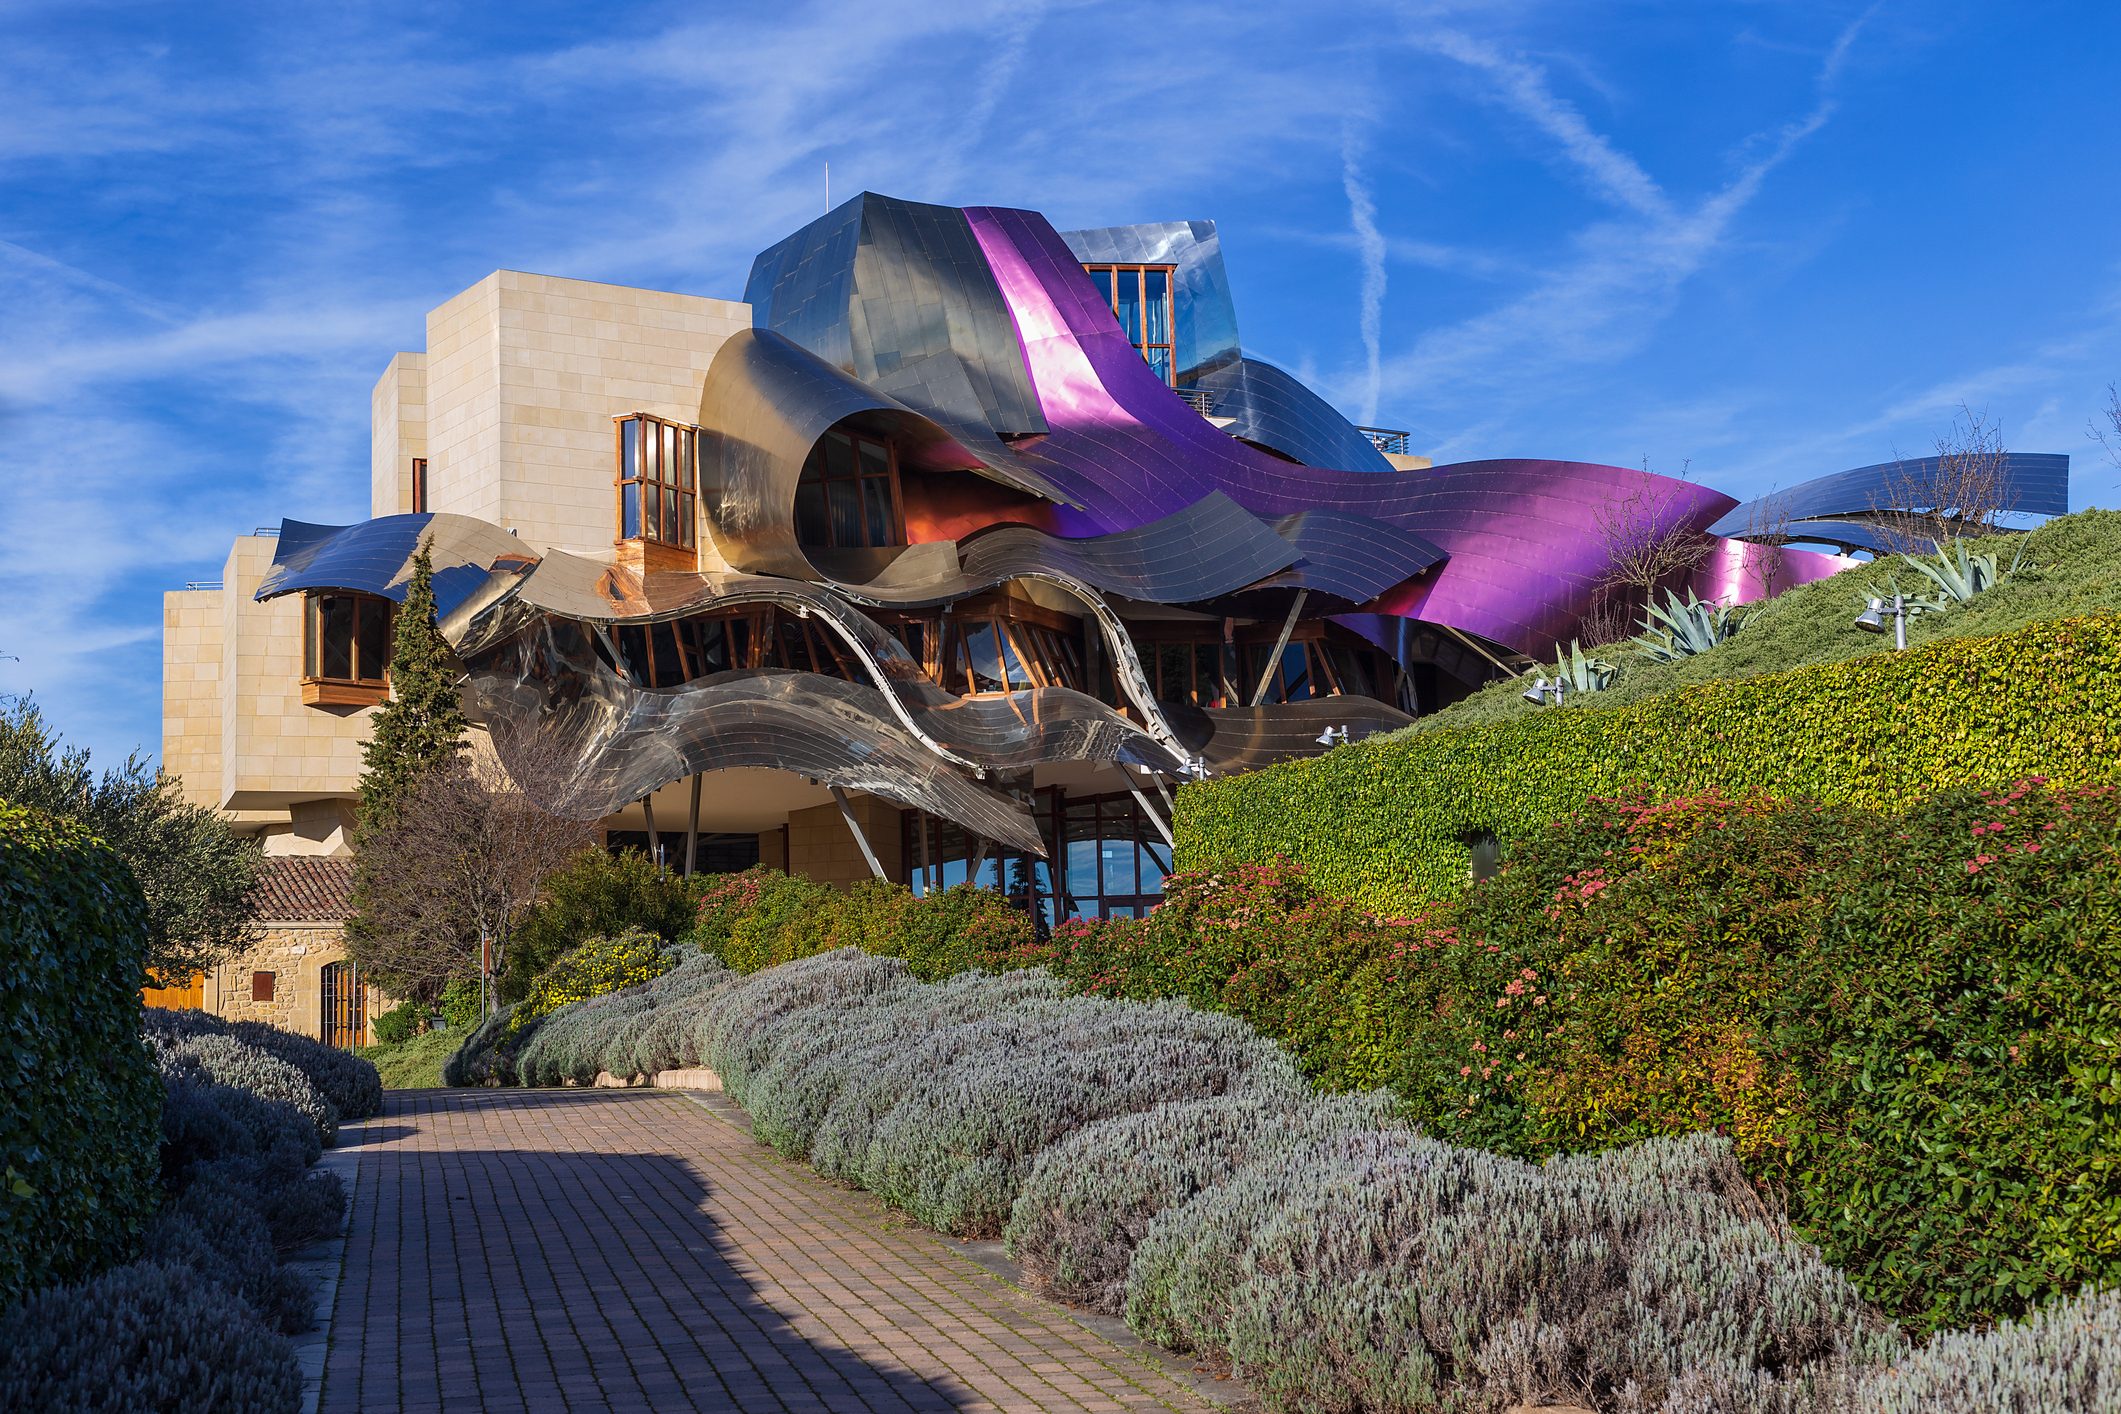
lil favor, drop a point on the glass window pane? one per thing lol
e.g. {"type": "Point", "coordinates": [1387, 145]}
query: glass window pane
{"type": "Point", "coordinates": [312, 635]}
{"type": "Point", "coordinates": [338, 626]}
{"type": "Point", "coordinates": [1156, 307]}
{"type": "Point", "coordinates": [876, 459]}
{"type": "Point", "coordinates": [670, 452]}
{"type": "Point", "coordinates": [1118, 855]}
{"type": "Point", "coordinates": [1103, 278]}
{"type": "Point", "coordinates": [876, 501]}
{"type": "Point", "coordinates": [981, 648]}
{"type": "Point", "coordinates": [839, 454]}
{"type": "Point", "coordinates": [652, 463]}
{"type": "Point", "coordinates": [685, 520]}
{"type": "Point", "coordinates": [671, 530]}
{"type": "Point", "coordinates": [372, 644]}
{"type": "Point", "coordinates": [1295, 674]}
{"type": "Point", "coordinates": [688, 456]}
{"type": "Point", "coordinates": [1130, 305]}
{"type": "Point", "coordinates": [630, 510]}
{"type": "Point", "coordinates": [810, 514]}
{"type": "Point", "coordinates": [845, 504]}
{"type": "Point", "coordinates": [630, 448]}
{"type": "Point", "coordinates": [1160, 361]}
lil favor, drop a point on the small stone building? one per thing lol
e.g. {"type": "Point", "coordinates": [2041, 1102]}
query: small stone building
{"type": "Point", "coordinates": [296, 974]}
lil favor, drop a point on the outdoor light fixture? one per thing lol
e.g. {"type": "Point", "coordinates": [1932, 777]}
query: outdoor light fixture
{"type": "Point", "coordinates": [1539, 692]}
{"type": "Point", "coordinates": [1332, 736]}
{"type": "Point", "coordinates": [1872, 620]}
{"type": "Point", "coordinates": [1195, 769]}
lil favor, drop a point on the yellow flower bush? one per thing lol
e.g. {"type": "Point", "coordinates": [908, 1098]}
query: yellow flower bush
{"type": "Point", "coordinates": [598, 966]}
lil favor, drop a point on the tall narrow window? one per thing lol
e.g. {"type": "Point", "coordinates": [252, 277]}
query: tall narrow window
{"type": "Point", "coordinates": [1140, 298]}
{"type": "Point", "coordinates": [659, 467]}
{"type": "Point", "coordinates": [848, 494]}
{"type": "Point", "coordinates": [419, 484]}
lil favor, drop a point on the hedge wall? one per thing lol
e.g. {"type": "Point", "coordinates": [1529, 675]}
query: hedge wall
{"type": "Point", "coordinates": [1386, 822]}
{"type": "Point", "coordinates": [80, 1103]}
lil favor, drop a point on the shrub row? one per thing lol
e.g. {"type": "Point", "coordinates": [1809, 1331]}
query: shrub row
{"type": "Point", "coordinates": [1171, 1164]}
{"type": "Point", "coordinates": [1909, 1022]}
{"type": "Point", "coordinates": [200, 1321]}
{"type": "Point", "coordinates": [77, 1089]}
{"type": "Point", "coordinates": [1386, 822]}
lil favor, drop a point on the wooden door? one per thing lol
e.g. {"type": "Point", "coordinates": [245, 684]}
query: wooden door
{"type": "Point", "coordinates": [177, 998]}
{"type": "Point", "coordinates": [345, 1019]}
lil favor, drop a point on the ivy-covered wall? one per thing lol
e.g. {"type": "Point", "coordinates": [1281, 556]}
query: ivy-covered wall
{"type": "Point", "coordinates": [1386, 822]}
{"type": "Point", "coordinates": [80, 1104]}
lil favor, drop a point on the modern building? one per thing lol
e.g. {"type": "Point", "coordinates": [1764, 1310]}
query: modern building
{"type": "Point", "coordinates": [955, 547]}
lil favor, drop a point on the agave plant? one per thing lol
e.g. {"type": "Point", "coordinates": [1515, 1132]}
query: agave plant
{"type": "Point", "coordinates": [1680, 628]}
{"type": "Point", "coordinates": [1574, 671]}
{"type": "Point", "coordinates": [1958, 574]}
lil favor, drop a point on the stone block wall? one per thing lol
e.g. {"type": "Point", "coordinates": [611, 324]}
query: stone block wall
{"type": "Point", "coordinates": [820, 845]}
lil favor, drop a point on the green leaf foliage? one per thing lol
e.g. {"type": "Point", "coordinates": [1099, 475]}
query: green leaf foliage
{"type": "Point", "coordinates": [599, 895]}
{"type": "Point", "coordinates": [1907, 1022]}
{"type": "Point", "coordinates": [423, 722]}
{"type": "Point", "coordinates": [195, 873]}
{"type": "Point", "coordinates": [1385, 822]}
{"type": "Point", "coordinates": [80, 1104]}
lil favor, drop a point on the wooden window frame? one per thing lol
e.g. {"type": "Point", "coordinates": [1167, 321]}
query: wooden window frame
{"type": "Point", "coordinates": [676, 488]}
{"type": "Point", "coordinates": [360, 689]}
{"type": "Point", "coordinates": [824, 480]}
{"type": "Point", "coordinates": [1139, 273]}
{"type": "Point", "coordinates": [419, 485]}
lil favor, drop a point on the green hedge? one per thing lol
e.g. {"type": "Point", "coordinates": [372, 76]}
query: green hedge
{"type": "Point", "coordinates": [1908, 1022]}
{"type": "Point", "coordinates": [80, 1103]}
{"type": "Point", "coordinates": [1386, 822]}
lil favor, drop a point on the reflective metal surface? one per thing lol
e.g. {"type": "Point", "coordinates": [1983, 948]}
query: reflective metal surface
{"type": "Point", "coordinates": [1260, 402]}
{"type": "Point", "coordinates": [2029, 483]}
{"type": "Point", "coordinates": [1036, 450]}
{"type": "Point", "coordinates": [1523, 557]}
{"type": "Point", "coordinates": [895, 294]}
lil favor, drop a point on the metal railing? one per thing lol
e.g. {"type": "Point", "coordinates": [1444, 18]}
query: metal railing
{"type": "Point", "coordinates": [1390, 440]}
{"type": "Point", "coordinates": [1201, 400]}
{"type": "Point", "coordinates": [204, 584]}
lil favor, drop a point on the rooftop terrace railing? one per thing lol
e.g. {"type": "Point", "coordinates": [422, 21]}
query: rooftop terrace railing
{"type": "Point", "coordinates": [1389, 440]}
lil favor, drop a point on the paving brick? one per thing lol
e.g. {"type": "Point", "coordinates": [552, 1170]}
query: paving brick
{"type": "Point", "coordinates": [580, 1250]}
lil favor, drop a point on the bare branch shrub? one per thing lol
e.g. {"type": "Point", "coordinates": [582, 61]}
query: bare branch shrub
{"type": "Point", "coordinates": [1914, 513]}
{"type": "Point", "coordinates": [2109, 436]}
{"type": "Point", "coordinates": [473, 843]}
{"type": "Point", "coordinates": [1648, 542]}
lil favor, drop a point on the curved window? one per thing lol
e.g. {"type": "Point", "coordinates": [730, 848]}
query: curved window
{"type": "Point", "coordinates": [848, 494]}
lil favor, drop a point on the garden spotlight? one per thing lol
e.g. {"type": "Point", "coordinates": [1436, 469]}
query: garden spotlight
{"type": "Point", "coordinates": [1332, 736]}
{"type": "Point", "coordinates": [1872, 620]}
{"type": "Point", "coordinates": [1539, 692]}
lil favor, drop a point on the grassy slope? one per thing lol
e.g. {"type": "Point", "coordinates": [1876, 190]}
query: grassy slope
{"type": "Point", "coordinates": [2075, 568]}
{"type": "Point", "coordinates": [414, 1064]}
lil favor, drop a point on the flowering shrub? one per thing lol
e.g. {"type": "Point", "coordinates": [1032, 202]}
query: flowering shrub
{"type": "Point", "coordinates": [1334, 984]}
{"type": "Point", "coordinates": [598, 966]}
{"type": "Point", "coordinates": [1909, 1022]}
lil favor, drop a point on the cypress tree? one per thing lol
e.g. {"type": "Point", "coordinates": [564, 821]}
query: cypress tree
{"type": "Point", "coordinates": [423, 723]}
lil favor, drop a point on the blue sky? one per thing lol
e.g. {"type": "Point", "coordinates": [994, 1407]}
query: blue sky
{"type": "Point", "coordinates": [1761, 240]}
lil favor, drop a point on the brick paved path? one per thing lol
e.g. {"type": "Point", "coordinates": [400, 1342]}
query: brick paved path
{"type": "Point", "coordinates": [536, 1250]}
